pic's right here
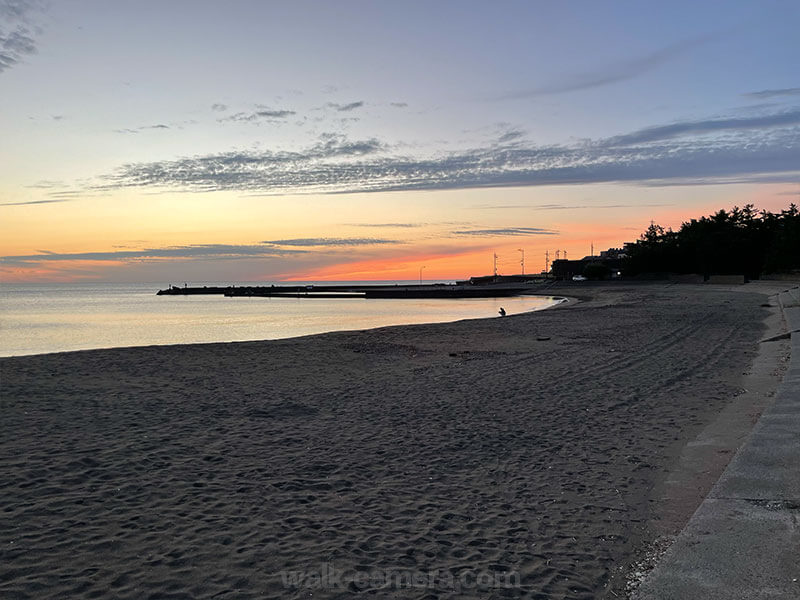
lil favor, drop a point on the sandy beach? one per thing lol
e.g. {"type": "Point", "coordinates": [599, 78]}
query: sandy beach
{"type": "Point", "coordinates": [524, 456]}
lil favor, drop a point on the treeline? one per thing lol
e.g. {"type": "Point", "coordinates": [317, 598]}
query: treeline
{"type": "Point", "coordinates": [742, 241]}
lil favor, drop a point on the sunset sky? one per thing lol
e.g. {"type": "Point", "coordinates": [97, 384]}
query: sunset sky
{"type": "Point", "coordinates": [238, 141]}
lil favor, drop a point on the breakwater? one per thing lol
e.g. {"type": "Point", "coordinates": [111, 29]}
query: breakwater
{"type": "Point", "coordinates": [357, 291]}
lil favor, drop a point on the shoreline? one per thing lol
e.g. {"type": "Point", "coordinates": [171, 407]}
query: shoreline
{"type": "Point", "coordinates": [530, 444]}
{"type": "Point", "coordinates": [556, 299]}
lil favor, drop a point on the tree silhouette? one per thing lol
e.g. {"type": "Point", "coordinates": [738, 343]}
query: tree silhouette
{"type": "Point", "coordinates": [740, 241]}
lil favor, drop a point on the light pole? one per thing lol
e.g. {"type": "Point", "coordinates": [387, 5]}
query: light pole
{"type": "Point", "coordinates": [522, 262]}
{"type": "Point", "coordinates": [420, 274]}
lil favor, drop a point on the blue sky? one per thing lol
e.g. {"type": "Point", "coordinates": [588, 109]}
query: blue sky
{"type": "Point", "coordinates": [117, 114]}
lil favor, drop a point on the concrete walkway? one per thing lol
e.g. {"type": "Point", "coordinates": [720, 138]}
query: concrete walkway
{"type": "Point", "coordinates": [743, 542]}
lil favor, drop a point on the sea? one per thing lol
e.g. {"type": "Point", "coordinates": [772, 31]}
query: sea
{"type": "Point", "coordinates": [58, 317]}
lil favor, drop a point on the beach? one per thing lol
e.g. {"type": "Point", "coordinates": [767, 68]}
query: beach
{"type": "Point", "coordinates": [526, 456]}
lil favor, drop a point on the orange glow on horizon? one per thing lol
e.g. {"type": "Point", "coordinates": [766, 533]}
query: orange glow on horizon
{"type": "Point", "coordinates": [434, 245]}
{"type": "Point", "coordinates": [435, 266]}
{"type": "Point", "coordinates": [72, 271]}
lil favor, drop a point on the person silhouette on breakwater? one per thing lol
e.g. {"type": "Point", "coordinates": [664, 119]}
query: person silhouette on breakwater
{"type": "Point", "coordinates": [502, 311]}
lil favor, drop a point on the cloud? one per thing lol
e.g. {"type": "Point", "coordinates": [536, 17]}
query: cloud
{"type": "Point", "coordinates": [258, 115]}
{"type": "Point", "coordinates": [142, 128]}
{"type": "Point", "coordinates": [30, 202]}
{"type": "Point", "coordinates": [14, 46]}
{"type": "Point", "coordinates": [47, 184]}
{"type": "Point", "coordinates": [16, 31]}
{"type": "Point", "coordinates": [787, 176]}
{"type": "Point", "coordinates": [662, 132]}
{"type": "Point", "coordinates": [515, 231]}
{"type": "Point", "coordinates": [774, 93]}
{"type": "Point", "coordinates": [274, 114]}
{"type": "Point", "coordinates": [510, 135]}
{"type": "Point", "coordinates": [558, 206]}
{"type": "Point", "coordinates": [243, 170]}
{"type": "Point", "coordinates": [69, 194]}
{"type": "Point", "coordinates": [399, 104]}
{"type": "Point", "coordinates": [402, 225]}
{"type": "Point", "coordinates": [346, 107]}
{"type": "Point", "coordinates": [309, 242]}
{"type": "Point", "coordinates": [765, 147]}
{"type": "Point", "coordinates": [16, 10]}
{"type": "Point", "coordinates": [204, 251]}
{"type": "Point", "coordinates": [608, 74]}
{"type": "Point", "coordinates": [219, 107]}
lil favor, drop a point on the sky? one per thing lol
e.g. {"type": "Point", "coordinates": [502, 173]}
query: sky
{"type": "Point", "coordinates": [193, 141]}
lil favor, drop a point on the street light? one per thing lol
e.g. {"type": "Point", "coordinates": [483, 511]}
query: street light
{"type": "Point", "coordinates": [420, 274]}
{"type": "Point", "coordinates": [522, 262]}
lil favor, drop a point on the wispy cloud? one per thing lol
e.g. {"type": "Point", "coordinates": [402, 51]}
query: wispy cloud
{"type": "Point", "coordinates": [650, 134]}
{"type": "Point", "coordinates": [68, 194]}
{"type": "Point", "coordinates": [515, 231]}
{"type": "Point", "coordinates": [346, 107]}
{"type": "Point", "coordinates": [763, 147]}
{"type": "Point", "coordinates": [16, 32]}
{"type": "Point", "coordinates": [247, 170]}
{"type": "Point", "coordinates": [510, 135]}
{"type": "Point", "coordinates": [774, 93]}
{"type": "Point", "coordinates": [31, 202]}
{"type": "Point", "coordinates": [311, 242]}
{"type": "Point", "coordinates": [204, 251]}
{"type": "Point", "coordinates": [219, 107]}
{"type": "Point", "coordinates": [387, 225]}
{"type": "Point", "coordinates": [399, 104]}
{"type": "Point", "coordinates": [275, 114]}
{"type": "Point", "coordinates": [266, 114]}
{"type": "Point", "coordinates": [157, 126]}
{"type": "Point", "coordinates": [785, 176]}
{"type": "Point", "coordinates": [142, 128]}
{"type": "Point", "coordinates": [558, 206]}
{"type": "Point", "coordinates": [16, 10]}
{"type": "Point", "coordinates": [47, 184]}
{"type": "Point", "coordinates": [611, 73]}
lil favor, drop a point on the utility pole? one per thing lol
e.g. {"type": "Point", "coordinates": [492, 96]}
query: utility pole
{"type": "Point", "coordinates": [547, 261]}
{"type": "Point", "coordinates": [565, 255]}
{"type": "Point", "coordinates": [522, 262]}
{"type": "Point", "coordinates": [592, 250]}
{"type": "Point", "coordinates": [558, 254]}
{"type": "Point", "coordinates": [495, 264]}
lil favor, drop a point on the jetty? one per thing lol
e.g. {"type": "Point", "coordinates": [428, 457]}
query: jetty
{"type": "Point", "coordinates": [494, 287]}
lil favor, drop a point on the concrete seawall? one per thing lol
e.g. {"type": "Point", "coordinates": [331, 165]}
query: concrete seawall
{"type": "Point", "coordinates": [744, 539]}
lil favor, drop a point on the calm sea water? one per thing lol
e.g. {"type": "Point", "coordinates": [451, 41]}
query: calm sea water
{"type": "Point", "coordinates": [41, 318]}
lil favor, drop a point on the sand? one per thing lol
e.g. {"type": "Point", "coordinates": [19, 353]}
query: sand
{"type": "Point", "coordinates": [509, 457]}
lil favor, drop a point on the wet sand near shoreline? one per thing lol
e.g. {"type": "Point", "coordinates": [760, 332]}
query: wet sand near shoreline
{"type": "Point", "coordinates": [529, 445]}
